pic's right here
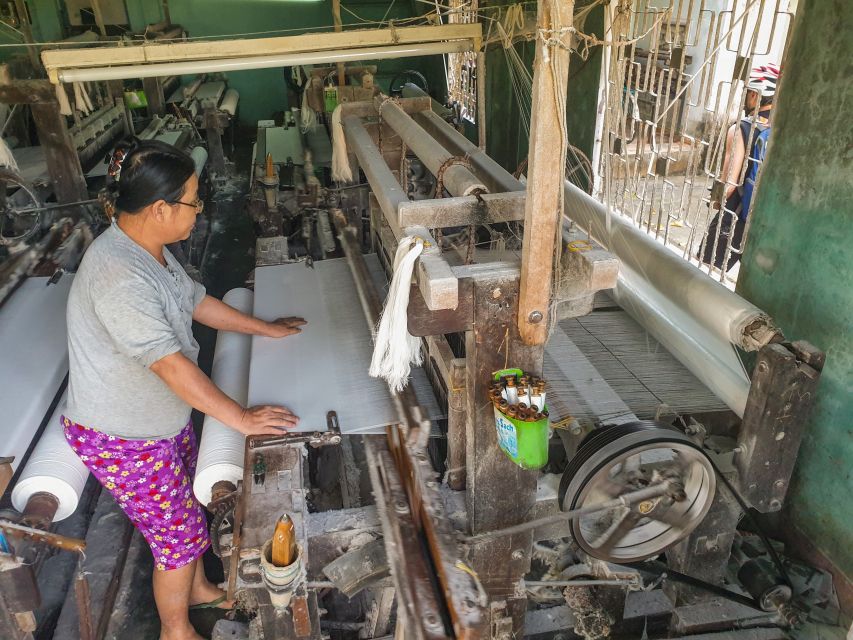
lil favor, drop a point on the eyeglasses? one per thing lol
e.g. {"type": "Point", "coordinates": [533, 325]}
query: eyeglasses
{"type": "Point", "coordinates": [197, 204]}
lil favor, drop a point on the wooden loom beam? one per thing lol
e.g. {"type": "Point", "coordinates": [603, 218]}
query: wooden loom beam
{"type": "Point", "coordinates": [542, 213]}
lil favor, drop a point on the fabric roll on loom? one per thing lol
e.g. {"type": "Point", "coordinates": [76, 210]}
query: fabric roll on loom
{"type": "Point", "coordinates": [220, 454]}
{"type": "Point", "coordinates": [53, 468]}
{"type": "Point", "coordinates": [722, 312]}
{"type": "Point", "coordinates": [713, 361]}
{"type": "Point", "coordinates": [35, 360]}
{"type": "Point", "coordinates": [229, 102]}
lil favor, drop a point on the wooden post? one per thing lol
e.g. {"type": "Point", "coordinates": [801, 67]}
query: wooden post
{"type": "Point", "coordinates": [153, 88]}
{"type": "Point", "coordinates": [498, 492]}
{"type": "Point", "coordinates": [216, 154]}
{"type": "Point", "coordinates": [543, 208]}
{"type": "Point", "coordinates": [456, 394]}
{"type": "Point", "coordinates": [27, 30]}
{"type": "Point", "coordinates": [481, 99]}
{"type": "Point", "coordinates": [63, 163]}
{"type": "Point", "coordinates": [336, 14]}
{"type": "Point", "coordinates": [99, 16]}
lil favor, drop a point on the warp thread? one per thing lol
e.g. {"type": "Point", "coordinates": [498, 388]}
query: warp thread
{"type": "Point", "coordinates": [395, 349]}
{"type": "Point", "coordinates": [341, 171]}
{"type": "Point", "coordinates": [7, 158]}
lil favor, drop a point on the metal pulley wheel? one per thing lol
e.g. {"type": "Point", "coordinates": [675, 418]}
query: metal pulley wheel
{"type": "Point", "coordinates": [28, 207]}
{"type": "Point", "coordinates": [616, 460]}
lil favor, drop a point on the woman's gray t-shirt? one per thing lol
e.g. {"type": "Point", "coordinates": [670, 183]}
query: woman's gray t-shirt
{"type": "Point", "coordinates": [126, 311]}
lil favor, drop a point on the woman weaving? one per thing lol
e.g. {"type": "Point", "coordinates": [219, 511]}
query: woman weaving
{"type": "Point", "coordinates": [134, 376]}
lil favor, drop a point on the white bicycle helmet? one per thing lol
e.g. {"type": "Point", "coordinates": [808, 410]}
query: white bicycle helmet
{"type": "Point", "coordinates": [764, 79]}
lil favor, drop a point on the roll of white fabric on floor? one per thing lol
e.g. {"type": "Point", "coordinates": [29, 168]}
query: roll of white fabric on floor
{"type": "Point", "coordinates": [34, 361]}
{"type": "Point", "coordinates": [220, 454]}
{"type": "Point", "coordinates": [53, 468]}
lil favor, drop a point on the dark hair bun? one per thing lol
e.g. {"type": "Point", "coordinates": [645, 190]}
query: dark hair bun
{"type": "Point", "coordinates": [148, 171]}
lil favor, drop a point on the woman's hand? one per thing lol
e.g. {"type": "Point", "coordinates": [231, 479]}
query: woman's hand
{"type": "Point", "coordinates": [266, 420]}
{"type": "Point", "coordinates": [284, 327]}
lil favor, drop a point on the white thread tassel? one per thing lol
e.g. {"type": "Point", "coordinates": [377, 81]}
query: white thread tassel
{"type": "Point", "coordinates": [395, 349]}
{"type": "Point", "coordinates": [7, 158]}
{"type": "Point", "coordinates": [341, 171]}
{"type": "Point", "coordinates": [307, 116]}
{"type": "Point", "coordinates": [64, 103]}
{"type": "Point", "coordinates": [79, 99]}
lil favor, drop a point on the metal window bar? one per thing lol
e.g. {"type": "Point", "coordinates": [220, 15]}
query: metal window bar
{"type": "Point", "coordinates": [461, 68]}
{"type": "Point", "coordinates": [670, 99]}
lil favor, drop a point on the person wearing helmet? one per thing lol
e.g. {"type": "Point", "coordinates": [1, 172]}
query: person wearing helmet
{"type": "Point", "coordinates": [727, 228]}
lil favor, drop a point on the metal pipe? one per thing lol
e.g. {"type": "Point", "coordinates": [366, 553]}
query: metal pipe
{"type": "Point", "coordinates": [458, 180]}
{"type": "Point", "coordinates": [648, 493]}
{"type": "Point", "coordinates": [580, 583]}
{"type": "Point", "coordinates": [496, 178]}
{"type": "Point", "coordinates": [124, 72]}
{"type": "Point", "coordinates": [722, 312]}
{"type": "Point", "coordinates": [388, 192]}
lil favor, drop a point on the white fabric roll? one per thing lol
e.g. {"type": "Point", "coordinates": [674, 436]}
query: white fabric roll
{"type": "Point", "coordinates": [229, 102]}
{"type": "Point", "coordinates": [53, 468]}
{"type": "Point", "coordinates": [709, 303]}
{"type": "Point", "coordinates": [34, 360]}
{"type": "Point", "coordinates": [220, 455]}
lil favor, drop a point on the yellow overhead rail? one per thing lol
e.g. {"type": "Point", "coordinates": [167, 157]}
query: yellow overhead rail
{"type": "Point", "coordinates": [152, 59]}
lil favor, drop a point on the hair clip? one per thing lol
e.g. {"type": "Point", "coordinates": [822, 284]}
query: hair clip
{"type": "Point", "coordinates": [116, 161]}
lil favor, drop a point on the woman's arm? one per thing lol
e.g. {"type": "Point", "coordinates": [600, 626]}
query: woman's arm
{"type": "Point", "coordinates": [218, 315]}
{"type": "Point", "coordinates": [733, 161]}
{"type": "Point", "coordinates": [190, 384]}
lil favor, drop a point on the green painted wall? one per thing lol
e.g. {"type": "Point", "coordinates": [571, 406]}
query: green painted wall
{"type": "Point", "coordinates": [47, 26]}
{"type": "Point", "coordinates": [798, 262]}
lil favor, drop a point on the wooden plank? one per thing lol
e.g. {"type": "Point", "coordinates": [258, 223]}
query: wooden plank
{"type": "Point", "coordinates": [368, 109]}
{"type": "Point", "coordinates": [336, 14]}
{"type": "Point", "coordinates": [425, 322]}
{"type": "Point", "coordinates": [542, 212]}
{"type": "Point", "coordinates": [439, 286]}
{"type": "Point", "coordinates": [456, 401]}
{"type": "Point", "coordinates": [461, 211]}
{"type": "Point", "coordinates": [54, 59]}
{"type": "Point", "coordinates": [27, 92]}
{"type": "Point", "coordinates": [780, 399]}
{"type": "Point", "coordinates": [153, 88]}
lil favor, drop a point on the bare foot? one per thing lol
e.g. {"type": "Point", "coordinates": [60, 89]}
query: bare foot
{"type": "Point", "coordinates": [188, 633]}
{"type": "Point", "coordinates": [208, 592]}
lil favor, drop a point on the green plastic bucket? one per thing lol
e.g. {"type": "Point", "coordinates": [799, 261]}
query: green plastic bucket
{"type": "Point", "coordinates": [525, 443]}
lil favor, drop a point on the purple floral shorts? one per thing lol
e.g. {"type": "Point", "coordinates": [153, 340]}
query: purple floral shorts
{"type": "Point", "coordinates": [150, 480]}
